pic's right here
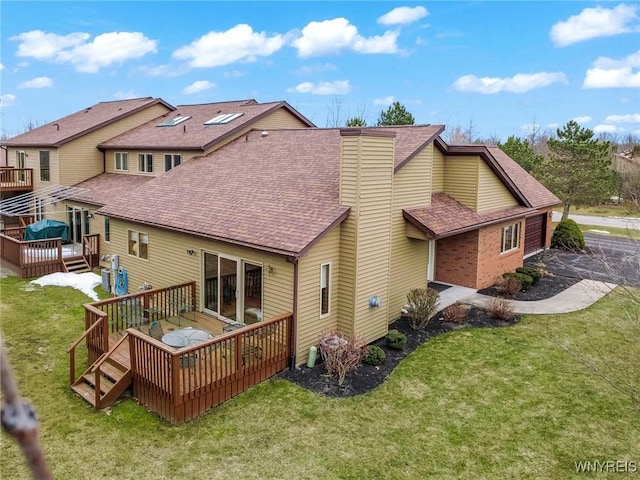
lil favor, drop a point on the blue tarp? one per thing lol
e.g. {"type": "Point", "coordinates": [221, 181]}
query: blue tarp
{"type": "Point", "coordinates": [47, 229]}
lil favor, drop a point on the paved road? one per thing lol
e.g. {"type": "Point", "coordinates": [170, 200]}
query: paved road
{"type": "Point", "coordinates": [618, 222]}
{"type": "Point", "coordinates": [607, 259]}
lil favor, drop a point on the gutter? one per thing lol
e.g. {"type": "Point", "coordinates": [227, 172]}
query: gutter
{"type": "Point", "coordinates": [294, 322]}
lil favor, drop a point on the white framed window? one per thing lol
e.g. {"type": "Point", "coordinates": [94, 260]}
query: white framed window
{"type": "Point", "coordinates": [45, 166]}
{"type": "Point", "coordinates": [171, 160]}
{"type": "Point", "coordinates": [107, 229]}
{"type": "Point", "coordinates": [145, 162]}
{"type": "Point", "coordinates": [325, 289]}
{"type": "Point", "coordinates": [121, 161]}
{"type": "Point", "coordinates": [138, 244]}
{"type": "Point", "coordinates": [38, 207]}
{"type": "Point", "coordinates": [20, 156]}
{"type": "Point", "coordinates": [510, 237]}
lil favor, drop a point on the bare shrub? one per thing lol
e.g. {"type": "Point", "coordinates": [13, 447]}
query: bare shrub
{"type": "Point", "coordinates": [422, 306]}
{"type": "Point", "coordinates": [508, 286]}
{"type": "Point", "coordinates": [455, 313]}
{"type": "Point", "coordinates": [341, 355]}
{"type": "Point", "coordinates": [500, 308]}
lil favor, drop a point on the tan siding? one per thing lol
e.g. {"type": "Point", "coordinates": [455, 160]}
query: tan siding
{"type": "Point", "coordinates": [310, 325]}
{"type": "Point", "coordinates": [461, 179]}
{"type": "Point", "coordinates": [367, 186]}
{"type": "Point", "coordinates": [169, 264]}
{"type": "Point", "coordinates": [82, 160]}
{"type": "Point", "coordinates": [491, 191]}
{"type": "Point", "coordinates": [32, 160]}
{"type": "Point", "coordinates": [132, 160]}
{"type": "Point", "coordinates": [437, 172]}
{"type": "Point", "coordinates": [281, 118]}
{"type": "Point", "coordinates": [411, 188]}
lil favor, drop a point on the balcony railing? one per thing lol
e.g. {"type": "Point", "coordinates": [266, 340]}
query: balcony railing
{"type": "Point", "coordinates": [16, 179]}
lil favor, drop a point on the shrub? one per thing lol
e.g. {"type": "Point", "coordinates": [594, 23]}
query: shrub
{"type": "Point", "coordinates": [525, 280]}
{"type": "Point", "coordinates": [455, 313]}
{"type": "Point", "coordinates": [422, 306]}
{"type": "Point", "coordinates": [341, 355]}
{"type": "Point", "coordinates": [508, 285]}
{"type": "Point", "coordinates": [567, 236]}
{"type": "Point", "coordinates": [500, 308]}
{"type": "Point", "coordinates": [374, 356]}
{"type": "Point", "coordinates": [396, 340]}
{"type": "Point", "coordinates": [534, 273]}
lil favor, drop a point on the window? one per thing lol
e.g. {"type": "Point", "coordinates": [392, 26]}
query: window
{"type": "Point", "coordinates": [107, 229]}
{"type": "Point", "coordinates": [222, 119]}
{"type": "Point", "coordinates": [121, 161]}
{"type": "Point", "coordinates": [145, 162]}
{"type": "Point", "coordinates": [510, 237]}
{"type": "Point", "coordinates": [20, 156]}
{"type": "Point", "coordinates": [38, 208]}
{"type": "Point", "coordinates": [138, 244]}
{"type": "Point", "coordinates": [172, 122]}
{"type": "Point", "coordinates": [45, 174]}
{"type": "Point", "coordinates": [325, 288]}
{"type": "Point", "coordinates": [171, 161]}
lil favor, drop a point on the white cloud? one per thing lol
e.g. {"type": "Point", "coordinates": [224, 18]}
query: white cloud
{"type": "Point", "coordinates": [519, 83]}
{"type": "Point", "coordinates": [612, 73]}
{"type": "Point", "coordinates": [338, 87]}
{"type": "Point", "coordinates": [332, 36]}
{"type": "Point", "coordinates": [629, 118]}
{"type": "Point", "coordinates": [38, 82]}
{"type": "Point", "coordinates": [384, 101]}
{"type": "Point", "coordinates": [233, 74]}
{"type": "Point", "coordinates": [105, 49]}
{"type": "Point", "coordinates": [582, 119]}
{"type": "Point", "coordinates": [198, 86]}
{"type": "Point", "coordinates": [1, 67]}
{"type": "Point", "coordinates": [602, 128]}
{"type": "Point", "coordinates": [594, 22]}
{"type": "Point", "coordinates": [239, 43]}
{"type": "Point", "coordinates": [125, 95]}
{"type": "Point", "coordinates": [315, 69]}
{"type": "Point", "coordinates": [7, 99]}
{"type": "Point", "coordinates": [403, 15]}
{"type": "Point", "coordinates": [553, 126]}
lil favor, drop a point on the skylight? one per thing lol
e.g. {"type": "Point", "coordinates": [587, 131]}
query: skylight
{"type": "Point", "coordinates": [222, 119]}
{"type": "Point", "coordinates": [172, 122]}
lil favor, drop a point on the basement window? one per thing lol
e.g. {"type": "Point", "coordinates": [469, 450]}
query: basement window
{"type": "Point", "coordinates": [172, 122]}
{"type": "Point", "coordinates": [222, 119]}
{"type": "Point", "coordinates": [325, 289]}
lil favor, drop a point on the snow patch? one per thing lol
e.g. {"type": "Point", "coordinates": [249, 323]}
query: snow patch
{"type": "Point", "coordinates": [85, 282]}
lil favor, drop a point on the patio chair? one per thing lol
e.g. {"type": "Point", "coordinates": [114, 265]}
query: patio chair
{"type": "Point", "coordinates": [155, 330]}
{"type": "Point", "coordinates": [130, 310]}
{"type": "Point", "coordinates": [179, 305]}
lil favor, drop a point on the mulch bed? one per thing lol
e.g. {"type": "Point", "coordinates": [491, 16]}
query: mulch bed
{"type": "Point", "coordinates": [367, 377]}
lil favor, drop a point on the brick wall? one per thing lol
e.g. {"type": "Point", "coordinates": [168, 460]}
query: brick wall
{"type": "Point", "coordinates": [491, 263]}
{"type": "Point", "coordinates": [457, 259]}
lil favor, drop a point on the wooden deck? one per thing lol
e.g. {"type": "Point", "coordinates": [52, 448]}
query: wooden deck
{"type": "Point", "coordinates": [176, 383]}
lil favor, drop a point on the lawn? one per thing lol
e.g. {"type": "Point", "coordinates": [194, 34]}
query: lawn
{"type": "Point", "coordinates": [482, 404]}
{"type": "Point", "coordinates": [608, 210]}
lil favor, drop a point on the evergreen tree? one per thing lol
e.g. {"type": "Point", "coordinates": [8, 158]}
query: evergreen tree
{"type": "Point", "coordinates": [396, 114]}
{"type": "Point", "coordinates": [356, 122]}
{"type": "Point", "coordinates": [522, 153]}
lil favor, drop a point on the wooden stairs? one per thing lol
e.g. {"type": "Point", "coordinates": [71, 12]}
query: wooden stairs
{"type": "Point", "coordinates": [76, 265]}
{"type": "Point", "coordinates": [103, 382]}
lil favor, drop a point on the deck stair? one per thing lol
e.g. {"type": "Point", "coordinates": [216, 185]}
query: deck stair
{"type": "Point", "coordinates": [76, 265]}
{"type": "Point", "coordinates": [113, 379]}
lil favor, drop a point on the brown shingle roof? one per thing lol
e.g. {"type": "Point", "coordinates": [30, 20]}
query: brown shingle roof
{"type": "Point", "coordinates": [278, 192]}
{"type": "Point", "coordinates": [193, 134]}
{"type": "Point", "coordinates": [59, 132]}
{"type": "Point", "coordinates": [446, 216]}
{"type": "Point", "coordinates": [107, 186]}
{"type": "Point", "coordinates": [537, 195]}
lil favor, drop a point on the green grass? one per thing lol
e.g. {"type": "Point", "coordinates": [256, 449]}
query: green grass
{"type": "Point", "coordinates": [482, 404]}
{"type": "Point", "coordinates": [612, 231]}
{"type": "Point", "coordinates": [603, 211]}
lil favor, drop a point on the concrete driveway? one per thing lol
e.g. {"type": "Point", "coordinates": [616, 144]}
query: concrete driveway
{"type": "Point", "coordinates": [607, 259]}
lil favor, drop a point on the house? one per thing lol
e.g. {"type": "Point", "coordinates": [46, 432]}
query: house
{"type": "Point", "coordinates": [323, 222]}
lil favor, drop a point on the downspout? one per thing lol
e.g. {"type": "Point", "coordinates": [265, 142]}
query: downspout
{"type": "Point", "coordinates": [294, 322]}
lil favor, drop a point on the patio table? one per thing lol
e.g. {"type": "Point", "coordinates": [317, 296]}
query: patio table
{"type": "Point", "coordinates": [184, 337]}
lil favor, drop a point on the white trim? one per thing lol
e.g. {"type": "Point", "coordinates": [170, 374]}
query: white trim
{"type": "Point", "coordinates": [431, 260]}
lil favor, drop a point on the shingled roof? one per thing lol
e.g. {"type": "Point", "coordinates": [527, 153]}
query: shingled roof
{"type": "Point", "coordinates": [102, 188]}
{"type": "Point", "coordinates": [446, 216]}
{"type": "Point", "coordinates": [276, 191]}
{"type": "Point", "coordinates": [63, 130]}
{"type": "Point", "coordinates": [193, 134]}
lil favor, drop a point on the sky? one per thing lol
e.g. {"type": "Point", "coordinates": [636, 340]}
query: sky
{"type": "Point", "coordinates": [502, 68]}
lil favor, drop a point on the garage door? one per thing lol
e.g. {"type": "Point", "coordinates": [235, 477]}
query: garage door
{"type": "Point", "coordinates": [535, 233]}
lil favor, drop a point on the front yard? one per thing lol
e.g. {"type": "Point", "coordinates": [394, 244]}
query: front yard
{"type": "Point", "coordinates": [474, 403]}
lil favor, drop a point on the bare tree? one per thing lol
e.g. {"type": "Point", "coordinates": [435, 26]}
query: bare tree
{"type": "Point", "coordinates": [335, 117]}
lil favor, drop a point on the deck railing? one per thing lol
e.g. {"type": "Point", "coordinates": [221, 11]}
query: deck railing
{"type": "Point", "coordinates": [34, 258]}
{"type": "Point", "coordinates": [180, 384]}
{"type": "Point", "coordinates": [16, 179]}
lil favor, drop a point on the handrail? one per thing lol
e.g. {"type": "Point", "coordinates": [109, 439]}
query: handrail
{"type": "Point", "coordinates": [72, 349]}
{"type": "Point", "coordinates": [96, 369]}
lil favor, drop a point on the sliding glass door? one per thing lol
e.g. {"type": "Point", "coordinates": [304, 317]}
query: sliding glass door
{"type": "Point", "coordinates": [232, 288]}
